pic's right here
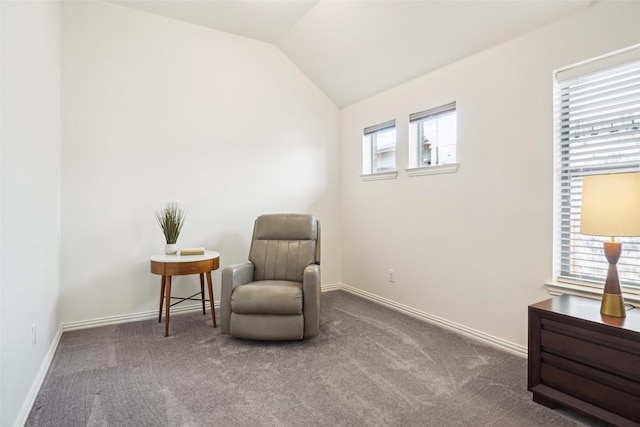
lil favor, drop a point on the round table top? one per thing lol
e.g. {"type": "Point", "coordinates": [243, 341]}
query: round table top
{"type": "Point", "coordinates": [185, 258]}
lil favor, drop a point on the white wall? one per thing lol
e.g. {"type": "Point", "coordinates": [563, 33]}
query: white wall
{"type": "Point", "coordinates": [30, 197]}
{"type": "Point", "coordinates": [156, 110]}
{"type": "Point", "coordinates": [474, 247]}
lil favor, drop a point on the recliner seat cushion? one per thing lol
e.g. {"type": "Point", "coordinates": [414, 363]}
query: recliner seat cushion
{"type": "Point", "coordinates": [267, 297]}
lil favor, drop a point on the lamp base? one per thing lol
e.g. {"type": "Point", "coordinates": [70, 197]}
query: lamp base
{"type": "Point", "coordinates": [613, 305]}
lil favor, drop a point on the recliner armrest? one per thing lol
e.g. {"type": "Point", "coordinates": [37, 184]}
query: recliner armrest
{"type": "Point", "coordinates": [238, 274]}
{"type": "Point", "coordinates": [232, 276]}
{"type": "Point", "coordinates": [311, 298]}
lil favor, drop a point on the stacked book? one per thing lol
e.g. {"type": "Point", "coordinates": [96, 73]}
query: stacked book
{"type": "Point", "coordinates": [192, 251]}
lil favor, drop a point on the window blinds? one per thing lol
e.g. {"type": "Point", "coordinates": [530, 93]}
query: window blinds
{"type": "Point", "coordinates": [381, 126]}
{"type": "Point", "coordinates": [433, 112]}
{"type": "Point", "coordinates": [597, 125]}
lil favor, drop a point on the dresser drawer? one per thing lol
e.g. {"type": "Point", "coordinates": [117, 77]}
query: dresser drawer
{"type": "Point", "coordinates": [592, 350]}
{"type": "Point", "coordinates": [591, 391]}
{"type": "Point", "coordinates": [608, 379]}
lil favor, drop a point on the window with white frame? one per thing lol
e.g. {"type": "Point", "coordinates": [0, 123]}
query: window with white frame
{"type": "Point", "coordinates": [597, 130]}
{"type": "Point", "coordinates": [433, 137]}
{"type": "Point", "coordinates": [379, 148]}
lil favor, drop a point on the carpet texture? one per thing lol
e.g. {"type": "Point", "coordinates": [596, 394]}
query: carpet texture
{"type": "Point", "coordinates": [369, 366]}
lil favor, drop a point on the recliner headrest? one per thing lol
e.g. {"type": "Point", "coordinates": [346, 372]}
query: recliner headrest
{"type": "Point", "coordinates": [286, 227]}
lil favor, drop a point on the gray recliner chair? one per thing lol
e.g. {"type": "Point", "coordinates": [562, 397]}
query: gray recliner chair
{"type": "Point", "coordinates": [276, 295]}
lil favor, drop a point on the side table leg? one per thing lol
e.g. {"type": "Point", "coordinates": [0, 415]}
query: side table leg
{"type": "Point", "coordinates": [161, 299]}
{"type": "Point", "coordinates": [213, 310]}
{"type": "Point", "coordinates": [202, 291]}
{"type": "Point", "coordinates": [168, 306]}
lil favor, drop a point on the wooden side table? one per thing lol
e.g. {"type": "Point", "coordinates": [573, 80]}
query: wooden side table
{"type": "Point", "coordinates": [177, 265]}
{"type": "Point", "coordinates": [586, 361]}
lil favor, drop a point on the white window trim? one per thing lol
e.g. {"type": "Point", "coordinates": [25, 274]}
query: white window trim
{"type": "Point", "coordinates": [591, 290]}
{"type": "Point", "coordinates": [433, 170]}
{"type": "Point", "coordinates": [371, 130]}
{"type": "Point", "coordinates": [377, 176]}
{"type": "Point", "coordinates": [416, 165]}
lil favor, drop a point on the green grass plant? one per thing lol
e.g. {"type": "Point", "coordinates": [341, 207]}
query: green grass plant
{"type": "Point", "coordinates": [171, 219]}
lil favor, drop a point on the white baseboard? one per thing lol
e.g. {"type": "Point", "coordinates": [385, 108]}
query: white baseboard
{"type": "Point", "coordinates": [127, 318]}
{"type": "Point", "coordinates": [513, 348]}
{"type": "Point", "coordinates": [38, 381]}
{"type": "Point", "coordinates": [150, 314]}
{"type": "Point", "coordinates": [332, 287]}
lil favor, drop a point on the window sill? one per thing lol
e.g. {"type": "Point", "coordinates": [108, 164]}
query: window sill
{"type": "Point", "coordinates": [379, 176]}
{"type": "Point", "coordinates": [631, 295]}
{"type": "Point", "coordinates": [433, 170]}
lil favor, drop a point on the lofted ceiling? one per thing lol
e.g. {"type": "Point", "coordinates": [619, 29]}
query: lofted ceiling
{"type": "Point", "coordinates": [352, 49]}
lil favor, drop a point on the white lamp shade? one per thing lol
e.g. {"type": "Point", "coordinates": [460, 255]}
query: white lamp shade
{"type": "Point", "coordinates": [611, 205]}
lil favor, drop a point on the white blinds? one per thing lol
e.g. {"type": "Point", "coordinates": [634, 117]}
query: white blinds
{"type": "Point", "coordinates": [433, 112]}
{"type": "Point", "coordinates": [597, 121]}
{"type": "Point", "coordinates": [381, 126]}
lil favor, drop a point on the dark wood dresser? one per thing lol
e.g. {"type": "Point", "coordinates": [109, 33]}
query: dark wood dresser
{"type": "Point", "coordinates": [585, 361]}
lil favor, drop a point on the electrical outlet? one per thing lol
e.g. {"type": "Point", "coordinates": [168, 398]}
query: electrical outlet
{"type": "Point", "coordinates": [34, 335]}
{"type": "Point", "coordinates": [392, 276]}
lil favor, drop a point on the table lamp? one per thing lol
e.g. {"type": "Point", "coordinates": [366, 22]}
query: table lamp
{"type": "Point", "coordinates": [611, 207]}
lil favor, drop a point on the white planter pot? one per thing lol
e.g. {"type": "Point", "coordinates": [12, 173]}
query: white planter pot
{"type": "Point", "coordinates": [170, 248]}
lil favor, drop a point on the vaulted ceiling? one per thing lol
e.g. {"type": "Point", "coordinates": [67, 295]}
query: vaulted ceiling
{"type": "Point", "coordinates": [352, 49]}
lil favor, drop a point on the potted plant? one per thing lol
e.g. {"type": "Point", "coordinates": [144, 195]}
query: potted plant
{"type": "Point", "coordinates": [170, 218]}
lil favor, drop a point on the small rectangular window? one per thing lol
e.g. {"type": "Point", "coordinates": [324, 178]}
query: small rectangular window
{"type": "Point", "coordinates": [433, 137]}
{"type": "Point", "coordinates": [379, 148]}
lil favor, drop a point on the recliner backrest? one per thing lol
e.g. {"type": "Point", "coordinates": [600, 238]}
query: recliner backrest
{"type": "Point", "coordinates": [284, 245]}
